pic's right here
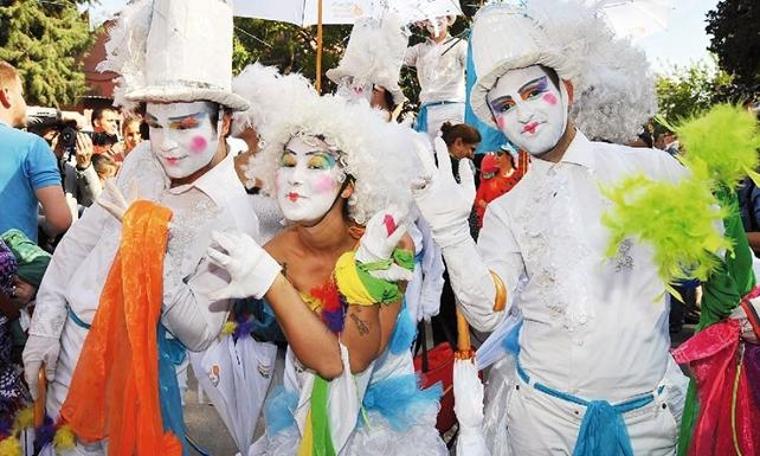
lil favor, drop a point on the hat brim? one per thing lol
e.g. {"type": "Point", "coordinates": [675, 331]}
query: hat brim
{"type": "Point", "coordinates": [184, 94]}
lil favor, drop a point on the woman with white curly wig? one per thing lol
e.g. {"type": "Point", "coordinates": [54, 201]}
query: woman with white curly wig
{"type": "Point", "coordinates": [335, 278]}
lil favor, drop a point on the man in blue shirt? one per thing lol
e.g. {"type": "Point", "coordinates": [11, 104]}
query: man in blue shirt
{"type": "Point", "coordinates": [28, 172]}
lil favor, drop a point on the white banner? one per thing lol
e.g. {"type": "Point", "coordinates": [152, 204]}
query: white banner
{"type": "Point", "coordinates": [304, 12]}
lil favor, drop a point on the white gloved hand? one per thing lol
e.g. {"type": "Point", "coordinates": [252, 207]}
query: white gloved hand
{"type": "Point", "coordinates": [468, 394]}
{"type": "Point", "coordinates": [381, 237]}
{"type": "Point", "coordinates": [445, 204]}
{"type": "Point", "coordinates": [468, 406]}
{"type": "Point", "coordinates": [252, 270]}
{"type": "Point", "coordinates": [114, 201]}
{"type": "Point", "coordinates": [38, 350]}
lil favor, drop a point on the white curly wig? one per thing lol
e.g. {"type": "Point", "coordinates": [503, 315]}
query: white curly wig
{"type": "Point", "coordinates": [375, 54]}
{"type": "Point", "coordinates": [269, 93]}
{"type": "Point", "coordinates": [614, 89]}
{"type": "Point", "coordinates": [378, 155]}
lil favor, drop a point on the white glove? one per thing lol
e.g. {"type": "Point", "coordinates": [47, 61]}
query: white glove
{"type": "Point", "coordinates": [381, 237]}
{"type": "Point", "coordinates": [113, 201]}
{"type": "Point", "coordinates": [252, 270]}
{"type": "Point", "coordinates": [468, 406]}
{"type": "Point", "coordinates": [444, 204]}
{"type": "Point", "coordinates": [38, 350]}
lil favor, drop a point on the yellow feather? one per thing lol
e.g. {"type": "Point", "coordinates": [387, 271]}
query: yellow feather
{"type": "Point", "coordinates": [229, 328]}
{"type": "Point", "coordinates": [24, 419]}
{"type": "Point", "coordinates": [10, 447]}
{"type": "Point", "coordinates": [64, 438]}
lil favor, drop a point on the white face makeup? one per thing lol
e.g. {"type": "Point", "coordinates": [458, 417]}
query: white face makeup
{"type": "Point", "coordinates": [529, 109]}
{"type": "Point", "coordinates": [308, 181]}
{"type": "Point", "coordinates": [352, 90]}
{"type": "Point", "coordinates": [182, 137]}
{"type": "Point", "coordinates": [437, 25]}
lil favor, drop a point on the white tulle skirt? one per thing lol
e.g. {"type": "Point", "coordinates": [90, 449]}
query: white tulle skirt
{"type": "Point", "coordinates": [375, 438]}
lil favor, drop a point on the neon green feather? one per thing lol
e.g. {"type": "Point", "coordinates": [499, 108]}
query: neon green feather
{"type": "Point", "coordinates": [727, 139]}
{"type": "Point", "coordinates": [677, 220]}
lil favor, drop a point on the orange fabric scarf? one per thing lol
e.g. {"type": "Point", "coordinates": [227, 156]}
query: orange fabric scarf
{"type": "Point", "coordinates": [114, 390]}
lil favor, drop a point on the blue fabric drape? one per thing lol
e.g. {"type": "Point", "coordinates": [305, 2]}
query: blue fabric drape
{"type": "Point", "coordinates": [492, 139]}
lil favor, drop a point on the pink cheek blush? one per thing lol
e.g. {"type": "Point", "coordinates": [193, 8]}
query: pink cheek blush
{"type": "Point", "coordinates": [324, 184]}
{"type": "Point", "coordinates": [550, 98]}
{"type": "Point", "coordinates": [501, 122]}
{"type": "Point", "coordinates": [198, 144]}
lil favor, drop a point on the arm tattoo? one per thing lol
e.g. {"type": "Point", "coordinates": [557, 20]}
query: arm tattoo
{"type": "Point", "coordinates": [361, 325]}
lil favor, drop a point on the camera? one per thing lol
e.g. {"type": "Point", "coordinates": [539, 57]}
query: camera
{"type": "Point", "coordinates": [49, 124]}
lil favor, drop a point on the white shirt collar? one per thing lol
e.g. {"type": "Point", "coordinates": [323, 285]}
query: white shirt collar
{"type": "Point", "coordinates": [579, 152]}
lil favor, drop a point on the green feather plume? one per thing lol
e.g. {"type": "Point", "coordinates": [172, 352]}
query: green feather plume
{"type": "Point", "coordinates": [677, 220]}
{"type": "Point", "coordinates": [727, 139]}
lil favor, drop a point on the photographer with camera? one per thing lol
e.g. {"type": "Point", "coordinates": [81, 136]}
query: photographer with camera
{"type": "Point", "coordinates": [74, 150]}
{"type": "Point", "coordinates": [28, 172]}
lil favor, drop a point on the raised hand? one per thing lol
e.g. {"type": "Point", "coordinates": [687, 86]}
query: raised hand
{"type": "Point", "coordinates": [381, 237]}
{"type": "Point", "coordinates": [444, 203]}
{"type": "Point", "coordinates": [252, 270]}
{"type": "Point", "coordinates": [112, 200]}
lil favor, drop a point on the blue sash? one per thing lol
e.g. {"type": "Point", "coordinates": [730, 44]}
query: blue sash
{"type": "Point", "coordinates": [603, 430]}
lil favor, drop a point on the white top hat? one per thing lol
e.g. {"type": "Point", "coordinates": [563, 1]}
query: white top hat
{"type": "Point", "coordinates": [614, 90]}
{"type": "Point", "coordinates": [506, 37]}
{"type": "Point", "coordinates": [375, 54]}
{"type": "Point", "coordinates": [174, 51]}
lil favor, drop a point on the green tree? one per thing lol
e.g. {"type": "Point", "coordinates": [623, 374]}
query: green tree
{"type": "Point", "coordinates": [288, 47]}
{"type": "Point", "coordinates": [735, 29]}
{"type": "Point", "coordinates": [43, 40]}
{"type": "Point", "coordinates": [687, 91]}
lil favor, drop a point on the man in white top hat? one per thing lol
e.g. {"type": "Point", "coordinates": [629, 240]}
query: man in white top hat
{"type": "Point", "coordinates": [440, 62]}
{"type": "Point", "coordinates": [594, 375]}
{"type": "Point", "coordinates": [166, 58]}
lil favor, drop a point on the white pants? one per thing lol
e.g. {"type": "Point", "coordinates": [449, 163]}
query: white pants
{"type": "Point", "coordinates": [540, 424]}
{"type": "Point", "coordinates": [438, 115]}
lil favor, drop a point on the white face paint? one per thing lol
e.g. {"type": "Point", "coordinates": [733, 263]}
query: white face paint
{"type": "Point", "coordinates": [182, 137]}
{"type": "Point", "coordinates": [308, 181]}
{"type": "Point", "coordinates": [437, 25]}
{"type": "Point", "coordinates": [353, 90]}
{"type": "Point", "coordinates": [529, 109]}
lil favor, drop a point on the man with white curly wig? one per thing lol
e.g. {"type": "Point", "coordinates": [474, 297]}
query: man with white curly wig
{"type": "Point", "coordinates": [165, 59]}
{"type": "Point", "coordinates": [593, 375]}
{"type": "Point", "coordinates": [335, 278]}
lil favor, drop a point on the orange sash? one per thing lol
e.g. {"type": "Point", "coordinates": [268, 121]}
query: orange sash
{"type": "Point", "coordinates": [114, 391]}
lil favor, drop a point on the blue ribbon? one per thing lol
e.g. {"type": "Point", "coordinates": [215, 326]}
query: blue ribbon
{"type": "Point", "coordinates": [78, 321]}
{"type": "Point", "coordinates": [171, 353]}
{"type": "Point", "coordinates": [603, 430]}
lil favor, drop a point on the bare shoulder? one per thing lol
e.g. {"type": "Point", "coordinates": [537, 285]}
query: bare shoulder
{"type": "Point", "coordinates": [283, 245]}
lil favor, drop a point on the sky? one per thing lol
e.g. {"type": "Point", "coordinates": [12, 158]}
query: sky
{"type": "Point", "coordinates": [685, 40]}
{"type": "Point", "coordinates": [682, 43]}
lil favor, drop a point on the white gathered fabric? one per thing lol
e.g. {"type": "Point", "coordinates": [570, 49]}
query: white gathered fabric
{"type": "Point", "coordinates": [236, 376]}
